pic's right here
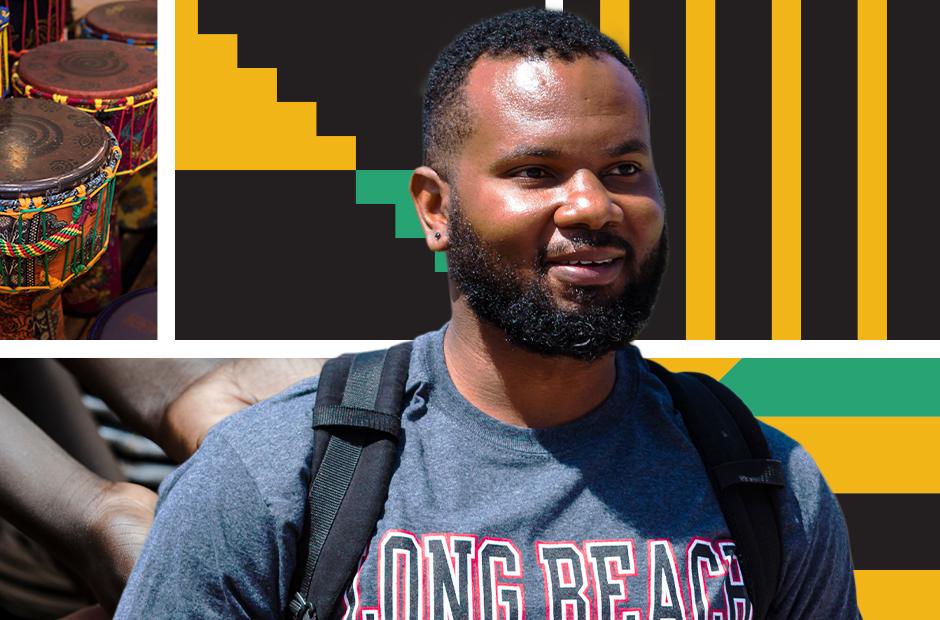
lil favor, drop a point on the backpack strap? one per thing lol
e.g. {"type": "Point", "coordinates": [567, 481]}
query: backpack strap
{"type": "Point", "coordinates": [356, 420]}
{"type": "Point", "coordinates": [745, 478]}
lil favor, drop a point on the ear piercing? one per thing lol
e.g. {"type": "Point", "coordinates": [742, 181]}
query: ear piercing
{"type": "Point", "coordinates": [437, 235]}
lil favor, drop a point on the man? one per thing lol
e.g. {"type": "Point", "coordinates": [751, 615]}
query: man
{"type": "Point", "coordinates": [543, 470]}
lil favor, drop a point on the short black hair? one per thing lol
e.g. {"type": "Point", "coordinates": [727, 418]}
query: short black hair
{"type": "Point", "coordinates": [531, 32]}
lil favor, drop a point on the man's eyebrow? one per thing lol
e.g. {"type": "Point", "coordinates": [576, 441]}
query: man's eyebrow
{"type": "Point", "coordinates": [529, 151]}
{"type": "Point", "coordinates": [633, 145]}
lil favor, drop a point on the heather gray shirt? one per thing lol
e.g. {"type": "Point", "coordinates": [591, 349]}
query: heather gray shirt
{"type": "Point", "coordinates": [609, 517]}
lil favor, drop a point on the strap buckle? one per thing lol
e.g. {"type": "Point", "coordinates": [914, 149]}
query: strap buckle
{"type": "Point", "coordinates": [766, 472]}
{"type": "Point", "coordinates": [301, 609]}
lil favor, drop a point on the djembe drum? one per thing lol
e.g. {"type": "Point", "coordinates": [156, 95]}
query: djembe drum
{"type": "Point", "coordinates": [57, 170]}
{"type": "Point", "coordinates": [116, 83]}
{"type": "Point", "coordinates": [34, 23]}
{"type": "Point", "coordinates": [129, 317]}
{"type": "Point", "coordinates": [131, 21]}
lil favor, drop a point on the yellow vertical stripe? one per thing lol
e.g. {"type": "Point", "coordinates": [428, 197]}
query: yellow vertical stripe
{"type": "Point", "coordinates": [615, 21]}
{"type": "Point", "coordinates": [785, 169]}
{"type": "Point", "coordinates": [700, 169]}
{"type": "Point", "coordinates": [872, 179]}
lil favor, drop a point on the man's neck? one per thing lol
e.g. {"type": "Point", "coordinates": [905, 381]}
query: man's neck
{"type": "Point", "coordinates": [516, 386]}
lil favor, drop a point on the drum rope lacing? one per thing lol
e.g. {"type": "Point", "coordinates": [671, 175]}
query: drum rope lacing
{"type": "Point", "coordinates": [31, 37]}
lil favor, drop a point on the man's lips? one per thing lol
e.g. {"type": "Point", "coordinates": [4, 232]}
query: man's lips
{"type": "Point", "coordinates": [587, 267]}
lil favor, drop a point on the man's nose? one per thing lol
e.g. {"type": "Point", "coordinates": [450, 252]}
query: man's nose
{"type": "Point", "coordinates": [586, 203]}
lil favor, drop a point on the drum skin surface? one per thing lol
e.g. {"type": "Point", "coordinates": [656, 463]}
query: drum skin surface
{"type": "Point", "coordinates": [90, 69]}
{"type": "Point", "coordinates": [132, 21]}
{"type": "Point", "coordinates": [47, 147]}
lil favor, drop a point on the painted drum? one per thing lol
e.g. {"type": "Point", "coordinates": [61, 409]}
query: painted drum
{"type": "Point", "coordinates": [57, 172]}
{"type": "Point", "coordinates": [34, 23]}
{"type": "Point", "coordinates": [116, 83]}
{"type": "Point", "coordinates": [130, 317]}
{"type": "Point", "coordinates": [132, 21]}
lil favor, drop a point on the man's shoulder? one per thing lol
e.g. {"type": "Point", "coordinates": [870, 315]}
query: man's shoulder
{"type": "Point", "coordinates": [814, 534]}
{"type": "Point", "coordinates": [806, 501]}
{"type": "Point", "coordinates": [807, 495]}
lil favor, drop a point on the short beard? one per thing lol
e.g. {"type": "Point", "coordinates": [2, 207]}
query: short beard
{"type": "Point", "coordinates": [526, 312]}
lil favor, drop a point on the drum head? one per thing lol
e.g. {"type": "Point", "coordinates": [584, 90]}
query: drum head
{"type": "Point", "coordinates": [129, 317]}
{"type": "Point", "coordinates": [47, 147]}
{"type": "Point", "coordinates": [134, 19]}
{"type": "Point", "coordinates": [90, 69]}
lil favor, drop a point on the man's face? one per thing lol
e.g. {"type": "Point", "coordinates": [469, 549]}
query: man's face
{"type": "Point", "coordinates": [556, 219]}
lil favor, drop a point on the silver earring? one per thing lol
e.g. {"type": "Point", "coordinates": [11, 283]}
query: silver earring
{"type": "Point", "coordinates": [437, 235]}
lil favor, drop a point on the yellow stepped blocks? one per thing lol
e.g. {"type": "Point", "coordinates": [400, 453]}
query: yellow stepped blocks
{"type": "Point", "coordinates": [228, 118]}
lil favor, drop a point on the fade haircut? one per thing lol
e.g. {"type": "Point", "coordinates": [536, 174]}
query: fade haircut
{"type": "Point", "coordinates": [527, 33]}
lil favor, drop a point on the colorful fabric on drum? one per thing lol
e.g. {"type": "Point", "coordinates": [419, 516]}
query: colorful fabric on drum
{"type": "Point", "coordinates": [40, 249]}
{"type": "Point", "coordinates": [76, 246]}
{"type": "Point", "coordinates": [32, 316]}
{"type": "Point", "coordinates": [4, 51]}
{"type": "Point", "coordinates": [34, 23]}
{"type": "Point", "coordinates": [136, 196]}
{"type": "Point", "coordinates": [89, 293]}
{"type": "Point", "coordinates": [17, 273]}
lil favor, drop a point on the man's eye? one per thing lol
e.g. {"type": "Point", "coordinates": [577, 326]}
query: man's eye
{"type": "Point", "coordinates": [625, 170]}
{"type": "Point", "coordinates": [532, 172]}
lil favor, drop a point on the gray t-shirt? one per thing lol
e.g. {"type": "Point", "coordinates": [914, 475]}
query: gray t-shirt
{"type": "Point", "coordinates": [609, 517]}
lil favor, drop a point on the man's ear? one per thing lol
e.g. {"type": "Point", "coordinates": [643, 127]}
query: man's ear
{"type": "Point", "coordinates": [431, 194]}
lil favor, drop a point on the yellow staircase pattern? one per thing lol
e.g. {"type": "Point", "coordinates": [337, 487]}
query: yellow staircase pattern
{"type": "Point", "coordinates": [229, 118]}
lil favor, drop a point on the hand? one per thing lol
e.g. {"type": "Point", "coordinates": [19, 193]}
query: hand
{"type": "Point", "coordinates": [228, 388]}
{"type": "Point", "coordinates": [119, 518]}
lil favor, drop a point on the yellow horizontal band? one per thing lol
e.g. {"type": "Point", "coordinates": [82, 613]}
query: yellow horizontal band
{"type": "Point", "coordinates": [870, 455]}
{"type": "Point", "coordinates": [890, 594]}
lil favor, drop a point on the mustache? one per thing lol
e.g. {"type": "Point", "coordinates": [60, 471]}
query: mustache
{"type": "Point", "coordinates": [587, 239]}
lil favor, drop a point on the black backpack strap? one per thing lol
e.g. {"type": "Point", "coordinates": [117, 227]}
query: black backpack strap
{"type": "Point", "coordinates": [745, 477]}
{"type": "Point", "coordinates": [356, 421]}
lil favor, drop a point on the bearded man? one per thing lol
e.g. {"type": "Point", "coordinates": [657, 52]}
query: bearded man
{"type": "Point", "coordinates": [542, 467]}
